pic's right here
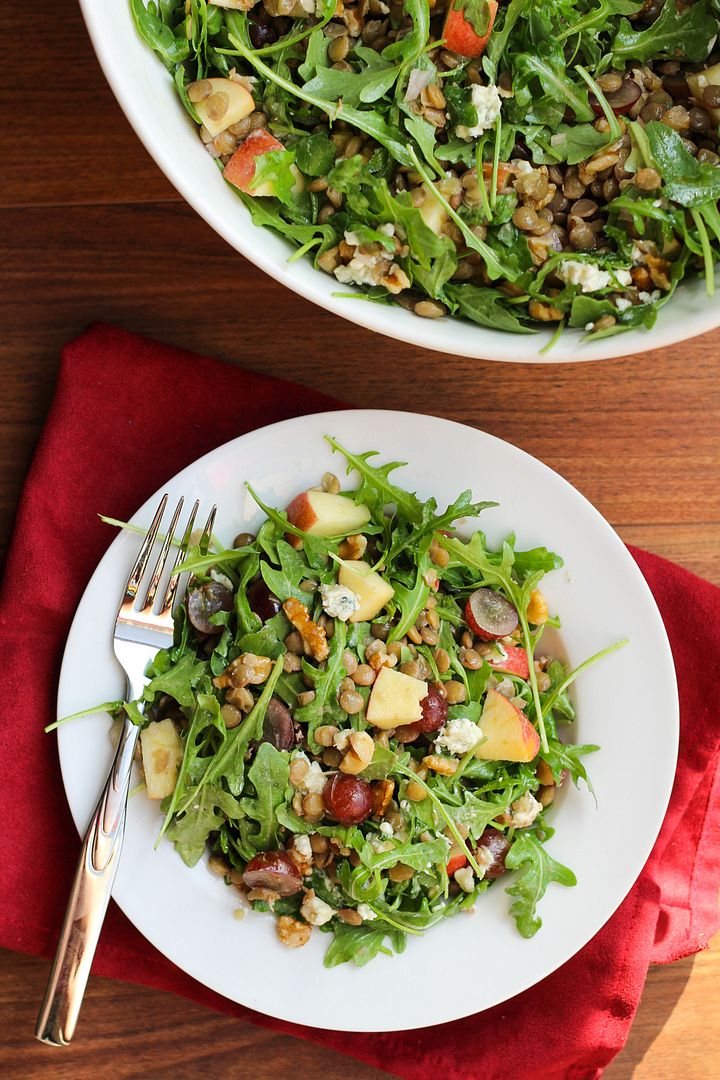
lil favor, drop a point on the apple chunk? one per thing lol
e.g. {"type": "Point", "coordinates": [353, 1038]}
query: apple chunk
{"type": "Point", "coordinates": [372, 590]}
{"type": "Point", "coordinates": [515, 661]}
{"type": "Point", "coordinates": [509, 735]}
{"type": "Point", "coordinates": [162, 752]}
{"type": "Point", "coordinates": [395, 699]}
{"type": "Point", "coordinates": [237, 100]}
{"type": "Point", "coordinates": [320, 513]}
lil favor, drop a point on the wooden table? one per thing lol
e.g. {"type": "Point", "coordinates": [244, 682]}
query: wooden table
{"type": "Point", "coordinates": [93, 231]}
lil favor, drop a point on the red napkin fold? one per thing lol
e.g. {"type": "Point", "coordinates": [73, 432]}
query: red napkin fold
{"type": "Point", "coordinates": [107, 447]}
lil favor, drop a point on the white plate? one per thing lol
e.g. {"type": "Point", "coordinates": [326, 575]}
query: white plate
{"type": "Point", "coordinates": [148, 98]}
{"type": "Point", "coordinates": [628, 704]}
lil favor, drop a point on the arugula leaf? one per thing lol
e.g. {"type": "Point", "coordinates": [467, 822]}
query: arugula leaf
{"type": "Point", "coordinates": [376, 489]}
{"type": "Point", "coordinates": [547, 64]}
{"type": "Point", "coordinates": [269, 774]}
{"type": "Point", "coordinates": [566, 756]}
{"type": "Point", "coordinates": [171, 48]}
{"type": "Point", "coordinates": [411, 601]}
{"type": "Point", "coordinates": [687, 33]}
{"type": "Point", "coordinates": [285, 582]}
{"type": "Point", "coordinates": [686, 181]}
{"type": "Point", "coordinates": [361, 944]}
{"type": "Point", "coordinates": [483, 305]}
{"type": "Point", "coordinates": [190, 831]}
{"type": "Point", "coordinates": [178, 680]}
{"type": "Point", "coordinates": [538, 870]}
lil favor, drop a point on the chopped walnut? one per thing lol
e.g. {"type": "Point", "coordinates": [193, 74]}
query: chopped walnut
{"type": "Point", "coordinates": [246, 670]}
{"type": "Point", "coordinates": [268, 896]}
{"type": "Point", "coordinates": [314, 637]}
{"type": "Point", "coordinates": [382, 792]}
{"type": "Point", "coordinates": [292, 932]}
{"type": "Point", "coordinates": [353, 548]}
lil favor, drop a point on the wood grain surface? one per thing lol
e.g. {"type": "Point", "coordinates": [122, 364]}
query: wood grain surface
{"type": "Point", "coordinates": [92, 231]}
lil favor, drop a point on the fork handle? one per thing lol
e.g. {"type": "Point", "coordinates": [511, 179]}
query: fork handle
{"type": "Point", "coordinates": [89, 899]}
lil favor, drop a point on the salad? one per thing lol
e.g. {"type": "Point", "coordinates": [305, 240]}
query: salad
{"type": "Point", "coordinates": [356, 723]}
{"type": "Point", "coordinates": [532, 163]}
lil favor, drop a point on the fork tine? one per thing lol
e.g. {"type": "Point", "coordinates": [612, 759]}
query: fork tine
{"type": "Point", "coordinates": [182, 551]}
{"type": "Point", "coordinates": [207, 532]}
{"type": "Point", "coordinates": [141, 562]}
{"type": "Point", "coordinates": [162, 557]}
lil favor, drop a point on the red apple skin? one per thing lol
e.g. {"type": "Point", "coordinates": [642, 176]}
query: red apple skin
{"type": "Point", "coordinates": [516, 662]}
{"type": "Point", "coordinates": [240, 169]}
{"type": "Point", "coordinates": [459, 35]}
{"type": "Point", "coordinates": [456, 863]}
{"type": "Point", "coordinates": [300, 512]}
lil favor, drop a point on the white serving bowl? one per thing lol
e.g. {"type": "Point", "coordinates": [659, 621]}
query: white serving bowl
{"type": "Point", "coordinates": [148, 98]}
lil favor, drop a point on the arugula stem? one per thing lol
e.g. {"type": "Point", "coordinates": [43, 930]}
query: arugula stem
{"type": "Point", "coordinates": [615, 128]}
{"type": "Point", "coordinates": [107, 706]}
{"type": "Point", "coordinates": [706, 249]}
{"type": "Point", "coordinates": [398, 926]}
{"type": "Point", "coordinates": [572, 676]}
{"type": "Point", "coordinates": [496, 161]}
{"type": "Point", "coordinates": [481, 179]}
{"type": "Point", "coordinates": [554, 339]}
{"type": "Point", "coordinates": [530, 650]}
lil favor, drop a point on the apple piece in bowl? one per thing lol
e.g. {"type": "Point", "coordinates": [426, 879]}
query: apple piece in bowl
{"type": "Point", "coordinates": [395, 699]}
{"type": "Point", "coordinates": [371, 589]}
{"type": "Point", "coordinates": [509, 735]}
{"type": "Point", "coordinates": [320, 513]}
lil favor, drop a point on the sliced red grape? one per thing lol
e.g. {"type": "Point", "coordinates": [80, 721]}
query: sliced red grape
{"type": "Point", "coordinates": [489, 615]}
{"type": "Point", "coordinates": [262, 601]}
{"type": "Point", "coordinates": [621, 100]}
{"type": "Point", "coordinates": [434, 711]}
{"type": "Point", "coordinates": [496, 844]}
{"type": "Point", "coordinates": [273, 870]}
{"type": "Point", "coordinates": [278, 727]}
{"type": "Point", "coordinates": [349, 799]}
{"type": "Point", "coordinates": [205, 601]}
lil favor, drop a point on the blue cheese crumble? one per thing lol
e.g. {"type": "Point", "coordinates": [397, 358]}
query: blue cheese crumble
{"type": "Point", "coordinates": [338, 601]}
{"type": "Point", "coordinates": [487, 102]}
{"type": "Point", "coordinates": [458, 736]}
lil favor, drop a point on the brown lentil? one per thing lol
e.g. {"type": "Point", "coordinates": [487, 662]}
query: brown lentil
{"type": "Point", "coordinates": [648, 179]}
{"type": "Point", "coordinates": [351, 702]}
{"type": "Point", "coordinates": [442, 660]}
{"type": "Point", "coordinates": [363, 675]}
{"type": "Point", "coordinates": [400, 872]}
{"type": "Point", "coordinates": [199, 91]}
{"type": "Point", "coordinates": [231, 715]}
{"type": "Point", "coordinates": [711, 97]}
{"type": "Point", "coordinates": [313, 807]}
{"type": "Point", "coordinates": [217, 105]}
{"type": "Point", "coordinates": [455, 692]}
{"type": "Point", "coordinates": [331, 757]}
{"type": "Point", "coordinates": [430, 309]}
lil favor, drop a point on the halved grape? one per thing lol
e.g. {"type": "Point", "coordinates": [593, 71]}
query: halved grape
{"type": "Point", "coordinates": [349, 799]}
{"type": "Point", "coordinates": [278, 727]}
{"type": "Point", "coordinates": [620, 100]}
{"type": "Point", "coordinates": [434, 711]}
{"type": "Point", "coordinates": [205, 601]}
{"type": "Point", "coordinates": [273, 870]}
{"type": "Point", "coordinates": [489, 615]}
{"type": "Point", "coordinates": [262, 601]}
{"type": "Point", "coordinates": [496, 844]}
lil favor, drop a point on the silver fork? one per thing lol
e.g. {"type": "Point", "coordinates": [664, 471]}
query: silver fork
{"type": "Point", "coordinates": [139, 632]}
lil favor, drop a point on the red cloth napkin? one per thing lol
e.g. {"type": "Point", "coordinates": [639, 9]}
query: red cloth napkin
{"type": "Point", "coordinates": [103, 449]}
